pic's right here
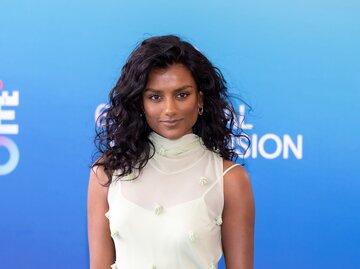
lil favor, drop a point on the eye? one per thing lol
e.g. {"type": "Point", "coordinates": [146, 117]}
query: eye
{"type": "Point", "coordinates": [154, 97]}
{"type": "Point", "coordinates": [183, 95]}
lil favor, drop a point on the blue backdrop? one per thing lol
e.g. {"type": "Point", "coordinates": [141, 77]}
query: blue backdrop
{"type": "Point", "coordinates": [297, 64]}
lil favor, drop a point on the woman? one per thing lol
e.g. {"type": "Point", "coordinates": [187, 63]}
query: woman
{"type": "Point", "coordinates": [165, 193]}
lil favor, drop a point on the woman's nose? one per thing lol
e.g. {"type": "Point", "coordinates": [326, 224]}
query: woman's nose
{"type": "Point", "coordinates": [170, 106]}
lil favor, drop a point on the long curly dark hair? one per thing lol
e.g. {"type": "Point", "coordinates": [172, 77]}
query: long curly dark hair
{"type": "Point", "coordinates": [122, 138]}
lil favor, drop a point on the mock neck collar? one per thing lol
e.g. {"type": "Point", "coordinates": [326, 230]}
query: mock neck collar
{"type": "Point", "coordinates": [173, 148]}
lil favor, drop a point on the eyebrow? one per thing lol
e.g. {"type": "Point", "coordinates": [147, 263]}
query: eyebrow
{"type": "Point", "coordinates": [176, 90]}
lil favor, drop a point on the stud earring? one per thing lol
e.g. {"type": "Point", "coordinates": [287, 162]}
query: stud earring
{"type": "Point", "coordinates": [200, 110]}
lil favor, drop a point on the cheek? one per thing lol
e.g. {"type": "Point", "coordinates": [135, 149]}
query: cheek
{"type": "Point", "coordinates": [152, 114]}
{"type": "Point", "coordinates": [150, 110]}
{"type": "Point", "coordinates": [190, 111]}
{"type": "Point", "coordinates": [191, 107]}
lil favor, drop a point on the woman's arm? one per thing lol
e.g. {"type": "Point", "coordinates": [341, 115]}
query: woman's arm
{"type": "Point", "coordinates": [101, 246]}
{"type": "Point", "coordinates": [237, 229]}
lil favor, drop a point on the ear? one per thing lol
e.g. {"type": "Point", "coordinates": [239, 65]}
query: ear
{"type": "Point", "coordinates": [200, 99]}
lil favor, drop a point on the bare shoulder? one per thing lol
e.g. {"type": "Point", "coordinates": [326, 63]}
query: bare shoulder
{"type": "Point", "coordinates": [237, 231]}
{"type": "Point", "coordinates": [237, 173]}
{"type": "Point", "coordinates": [98, 175]}
{"type": "Point", "coordinates": [236, 182]}
{"type": "Point", "coordinates": [97, 191]}
{"type": "Point", "coordinates": [101, 247]}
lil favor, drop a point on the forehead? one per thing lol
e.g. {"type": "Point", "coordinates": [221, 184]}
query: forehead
{"type": "Point", "coordinates": [175, 75]}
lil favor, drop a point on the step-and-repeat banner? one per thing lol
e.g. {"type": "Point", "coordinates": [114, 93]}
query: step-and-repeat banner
{"type": "Point", "coordinates": [294, 64]}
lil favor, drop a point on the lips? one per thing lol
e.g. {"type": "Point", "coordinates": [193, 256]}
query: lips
{"type": "Point", "coordinates": [170, 123]}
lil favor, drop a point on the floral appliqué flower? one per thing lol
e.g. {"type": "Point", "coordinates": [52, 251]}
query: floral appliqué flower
{"type": "Point", "coordinates": [162, 151]}
{"type": "Point", "coordinates": [107, 214]}
{"type": "Point", "coordinates": [217, 150]}
{"type": "Point", "coordinates": [115, 234]}
{"type": "Point", "coordinates": [129, 177]}
{"type": "Point", "coordinates": [192, 236]}
{"type": "Point", "coordinates": [203, 181]}
{"type": "Point", "coordinates": [218, 220]}
{"type": "Point", "coordinates": [158, 209]}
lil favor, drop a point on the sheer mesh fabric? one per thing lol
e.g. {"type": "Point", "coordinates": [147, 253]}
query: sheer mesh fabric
{"type": "Point", "coordinates": [173, 178]}
{"type": "Point", "coordinates": [171, 213]}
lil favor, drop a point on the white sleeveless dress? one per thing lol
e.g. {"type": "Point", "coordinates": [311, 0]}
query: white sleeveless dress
{"type": "Point", "coordinates": [170, 216]}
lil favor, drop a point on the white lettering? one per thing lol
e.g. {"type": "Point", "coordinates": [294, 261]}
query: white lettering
{"type": "Point", "coordinates": [6, 100]}
{"type": "Point", "coordinates": [297, 150]}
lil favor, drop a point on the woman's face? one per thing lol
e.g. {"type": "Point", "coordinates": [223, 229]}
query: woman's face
{"type": "Point", "coordinates": [171, 101]}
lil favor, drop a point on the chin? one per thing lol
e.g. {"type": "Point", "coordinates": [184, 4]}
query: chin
{"type": "Point", "coordinates": [172, 134]}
